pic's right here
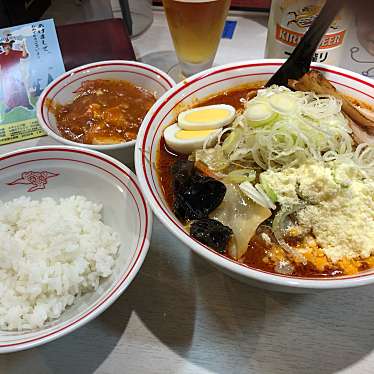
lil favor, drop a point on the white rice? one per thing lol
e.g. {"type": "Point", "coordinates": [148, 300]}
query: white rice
{"type": "Point", "coordinates": [51, 252]}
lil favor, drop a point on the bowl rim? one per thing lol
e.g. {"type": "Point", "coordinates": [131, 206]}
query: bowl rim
{"type": "Point", "coordinates": [168, 81]}
{"type": "Point", "coordinates": [123, 281]}
{"type": "Point", "coordinates": [159, 208]}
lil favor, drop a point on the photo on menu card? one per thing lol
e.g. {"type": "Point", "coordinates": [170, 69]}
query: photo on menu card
{"type": "Point", "coordinates": [30, 58]}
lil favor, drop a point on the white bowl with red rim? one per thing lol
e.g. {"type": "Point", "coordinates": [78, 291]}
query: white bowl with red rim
{"type": "Point", "coordinates": [60, 171]}
{"type": "Point", "coordinates": [62, 90]}
{"type": "Point", "coordinates": [196, 88]}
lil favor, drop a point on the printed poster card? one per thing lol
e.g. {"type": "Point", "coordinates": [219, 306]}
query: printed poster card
{"type": "Point", "coordinates": [30, 58]}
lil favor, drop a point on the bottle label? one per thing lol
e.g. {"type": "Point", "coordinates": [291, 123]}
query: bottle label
{"type": "Point", "coordinates": [292, 38]}
{"type": "Point", "coordinates": [290, 19]}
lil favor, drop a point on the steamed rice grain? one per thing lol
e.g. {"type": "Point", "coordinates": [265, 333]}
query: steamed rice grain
{"type": "Point", "coordinates": [51, 252]}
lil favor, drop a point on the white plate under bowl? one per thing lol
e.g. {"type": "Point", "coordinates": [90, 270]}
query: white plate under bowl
{"type": "Point", "coordinates": [60, 171]}
{"type": "Point", "coordinates": [196, 88]}
{"type": "Point", "coordinates": [63, 90]}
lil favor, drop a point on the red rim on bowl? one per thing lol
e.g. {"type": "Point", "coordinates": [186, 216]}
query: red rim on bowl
{"type": "Point", "coordinates": [116, 66]}
{"type": "Point", "coordinates": [111, 167]}
{"type": "Point", "coordinates": [149, 181]}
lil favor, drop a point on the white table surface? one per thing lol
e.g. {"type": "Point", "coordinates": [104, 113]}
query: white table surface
{"type": "Point", "coordinates": [182, 316]}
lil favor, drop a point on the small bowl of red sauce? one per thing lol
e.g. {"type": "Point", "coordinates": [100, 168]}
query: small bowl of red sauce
{"type": "Point", "coordinates": [102, 105]}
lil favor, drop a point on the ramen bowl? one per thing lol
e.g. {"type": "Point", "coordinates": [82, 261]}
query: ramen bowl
{"type": "Point", "coordinates": [63, 90]}
{"type": "Point", "coordinates": [61, 172]}
{"type": "Point", "coordinates": [195, 89]}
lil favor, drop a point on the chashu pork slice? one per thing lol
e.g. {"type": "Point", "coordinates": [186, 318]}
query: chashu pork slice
{"type": "Point", "coordinates": [361, 120]}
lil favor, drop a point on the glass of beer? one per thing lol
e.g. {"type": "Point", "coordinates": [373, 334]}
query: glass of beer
{"type": "Point", "coordinates": [196, 27]}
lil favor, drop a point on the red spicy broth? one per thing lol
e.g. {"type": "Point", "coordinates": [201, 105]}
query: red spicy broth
{"type": "Point", "coordinates": [257, 251]}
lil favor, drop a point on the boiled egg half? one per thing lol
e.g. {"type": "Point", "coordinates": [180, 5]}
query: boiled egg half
{"type": "Point", "coordinates": [187, 141]}
{"type": "Point", "coordinates": [207, 117]}
{"type": "Point", "coordinates": [197, 127]}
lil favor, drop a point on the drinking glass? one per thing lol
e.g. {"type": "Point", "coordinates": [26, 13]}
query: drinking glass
{"type": "Point", "coordinates": [141, 16]}
{"type": "Point", "coordinates": [196, 27]}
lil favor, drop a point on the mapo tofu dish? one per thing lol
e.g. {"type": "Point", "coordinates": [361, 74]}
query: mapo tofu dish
{"type": "Point", "coordinates": [103, 112]}
{"type": "Point", "coordinates": [280, 179]}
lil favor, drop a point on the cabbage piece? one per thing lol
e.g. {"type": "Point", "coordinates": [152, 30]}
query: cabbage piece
{"type": "Point", "coordinates": [214, 158]}
{"type": "Point", "coordinates": [243, 216]}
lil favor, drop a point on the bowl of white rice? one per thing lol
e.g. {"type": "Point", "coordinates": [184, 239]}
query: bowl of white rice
{"type": "Point", "coordinates": [74, 230]}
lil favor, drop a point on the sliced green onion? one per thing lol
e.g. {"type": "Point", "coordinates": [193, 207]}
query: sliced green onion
{"type": "Point", "coordinates": [316, 130]}
{"type": "Point", "coordinates": [283, 103]}
{"type": "Point", "coordinates": [279, 230]}
{"type": "Point", "coordinates": [257, 196]}
{"type": "Point", "coordinates": [259, 114]}
{"type": "Point", "coordinates": [263, 193]}
{"type": "Point", "coordinates": [240, 176]}
{"type": "Point", "coordinates": [232, 140]}
{"type": "Point", "coordinates": [267, 189]}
